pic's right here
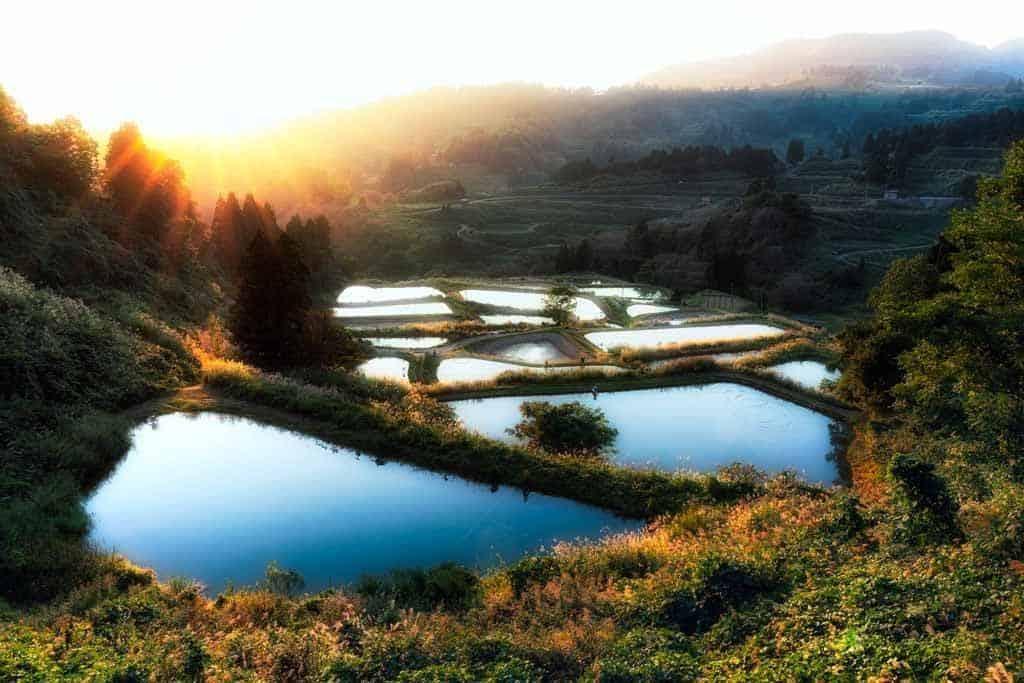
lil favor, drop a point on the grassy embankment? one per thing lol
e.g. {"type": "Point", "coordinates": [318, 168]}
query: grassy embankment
{"type": "Point", "coordinates": [414, 428]}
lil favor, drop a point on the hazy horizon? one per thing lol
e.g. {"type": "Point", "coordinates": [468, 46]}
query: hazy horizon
{"type": "Point", "coordinates": [229, 69]}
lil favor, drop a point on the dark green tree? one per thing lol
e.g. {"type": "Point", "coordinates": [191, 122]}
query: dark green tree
{"type": "Point", "coordinates": [567, 428]}
{"type": "Point", "coordinates": [270, 314]}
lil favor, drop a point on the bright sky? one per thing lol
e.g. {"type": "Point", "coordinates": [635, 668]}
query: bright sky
{"type": "Point", "coordinates": [215, 67]}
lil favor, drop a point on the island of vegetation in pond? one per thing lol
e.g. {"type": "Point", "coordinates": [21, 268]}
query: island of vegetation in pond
{"type": "Point", "coordinates": [217, 498]}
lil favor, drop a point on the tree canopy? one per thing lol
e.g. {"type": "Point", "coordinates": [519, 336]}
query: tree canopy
{"type": "Point", "coordinates": [946, 343]}
{"type": "Point", "coordinates": [567, 428]}
{"type": "Point", "coordinates": [560, 304]}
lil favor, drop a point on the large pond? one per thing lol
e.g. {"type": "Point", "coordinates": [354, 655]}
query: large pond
{"type": "Point", "coordinates": [216, 498]}
{"type": "Point", "coordinates": [807, 373]}
{"type": "Point", "coordinates": [659, 336]}
{"type": "Point", "coordinates": [396, 369]}
{"type": "Point", "coordinates": [689, 427]}
{"type": "Point", "coordinates": [585, 309]}
{"type": "Point", "coordinates": [407, 342]}
{"type": "Point", "coordinates": [478, 369]}
{"type": "Point", "coordinates": [361, 294]}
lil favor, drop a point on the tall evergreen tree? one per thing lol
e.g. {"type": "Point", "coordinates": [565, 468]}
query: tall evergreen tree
{"type": "Point", "coordinates": [273, 302]}
{"type": "Point", "coordinates": [227, 234]}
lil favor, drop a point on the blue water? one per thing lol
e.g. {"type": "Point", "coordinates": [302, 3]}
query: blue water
{"type": "Point", "coordinates": [216, 498]}
{"type": "Point", "coordinates": [691, 427]}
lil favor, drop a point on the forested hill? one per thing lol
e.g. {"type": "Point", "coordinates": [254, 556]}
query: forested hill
{"type": "Point", "coordinates": [854, 60]}
{"type": "Point", "coordinates": [523, 133]}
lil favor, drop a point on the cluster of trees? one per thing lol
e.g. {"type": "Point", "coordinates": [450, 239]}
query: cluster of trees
{"type": "Point", "coordinates": [578, 259]}
{"type": "Point", "coordinates": [681, 162]}
{"type": "Point", "coordinates": [278, 274]}
{"type": "Point", "coordinates": [510, 150]}
{"type": "Point", "coordinates": [754, 250]}
{"type": "Point", "coordinates": [946, 342]}
{"type": "Point", "coordinates": [273, 320]}
{"type": "Point", "coordinates": [888, 153]}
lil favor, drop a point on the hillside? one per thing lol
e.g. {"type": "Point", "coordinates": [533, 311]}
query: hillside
{"type": "Point", "coordinates": [854, 61]}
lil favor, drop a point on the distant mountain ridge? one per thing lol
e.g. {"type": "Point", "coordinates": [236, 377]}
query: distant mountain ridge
{"type": "Point", "coordinates": [856, 60]}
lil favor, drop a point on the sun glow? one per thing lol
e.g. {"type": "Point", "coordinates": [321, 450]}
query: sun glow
{"type": "Point", "coordinates": [232, 67]}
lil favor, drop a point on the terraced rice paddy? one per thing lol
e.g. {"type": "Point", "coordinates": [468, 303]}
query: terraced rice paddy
{"type": "Point", "coordinates": [660, 336]}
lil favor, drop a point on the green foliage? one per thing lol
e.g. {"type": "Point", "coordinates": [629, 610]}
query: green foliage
{"type": "Point", "coordinates": [566, 428]}
{"type": "Point", "coordinates": [54, 349]}
{"type": "Point", "coordinates": [446, 586]}
{"type": "Point", "coordinates": [531, 571]}
{"type": "Point", "coordinates": [715, 586]}
{"type": "Point", "coordinates": [649, 656]}
{"type": "Point", "coordinates": [945, 341]}
{"type": "Point", "coordinates": [930, 511]}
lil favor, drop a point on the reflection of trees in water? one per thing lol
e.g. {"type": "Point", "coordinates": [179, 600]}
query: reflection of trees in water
{"type": "Point", "coordinates": [839, 436]}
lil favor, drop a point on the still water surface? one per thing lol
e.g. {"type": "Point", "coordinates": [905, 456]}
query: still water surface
{"type": "Point", "coordinates": [361, 294]}
{"type": "Point", "coordinates": [584, 309]}
{"type": "Point", "coordinates": [657, 336]}
{"type": "Point", "coordinates": [690, 427]}
{"type": "Point", "coordinates": [216, 498]}
{"type": "Point", "coordinates": [407, 342]}
{"type": "Point", "coordinates": [396, 369]}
